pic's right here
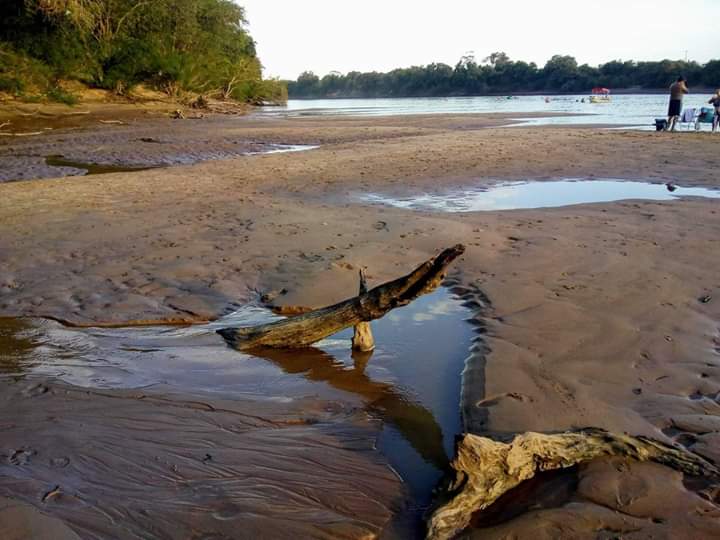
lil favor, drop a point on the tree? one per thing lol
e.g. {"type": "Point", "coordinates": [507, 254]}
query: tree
{"type": "Point", "coordinates": [560, 73]}
{"type": "Point", "coordinates": [500, 74]}
{"type": "Point", "coordinates": [175, 45]}
{"type": "Point", "coordinates": [497, 59]}
{"type": "Point", "coordinates": [711, 74]}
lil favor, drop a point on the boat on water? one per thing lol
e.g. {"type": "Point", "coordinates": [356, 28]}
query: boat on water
{"type": "Point", "coordinates": [600, 95]}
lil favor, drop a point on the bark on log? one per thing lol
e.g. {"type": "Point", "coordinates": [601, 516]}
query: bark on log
{"type": "Point", "coordinates": [486, 469]}
{"type": "Point", "coordinates": [304, 330]}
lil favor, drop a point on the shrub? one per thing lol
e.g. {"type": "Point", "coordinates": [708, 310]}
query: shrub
{"type": "Point", "coordinates": [11, 85]}
{"type": "Point", "coordinates": [56, 93]}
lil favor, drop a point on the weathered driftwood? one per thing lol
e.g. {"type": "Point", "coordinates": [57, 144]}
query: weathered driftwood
{"type": "Point", "coordinates": [486, 469]}
{"type": "Point", "coordinates": [363, 340]}
{"type": "Point", "coordinates": [309, 328]}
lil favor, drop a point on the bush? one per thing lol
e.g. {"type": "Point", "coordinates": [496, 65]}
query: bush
{"type": "Point", "coordinates": [55, 93]}
{"type": "Point", "coordinates": [11, 85]}
{"type": "Point", "coordinates": [20, 74]}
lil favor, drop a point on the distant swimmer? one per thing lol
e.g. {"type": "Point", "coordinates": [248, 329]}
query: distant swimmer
{"type": "Point", "coordinates": [547, 100]}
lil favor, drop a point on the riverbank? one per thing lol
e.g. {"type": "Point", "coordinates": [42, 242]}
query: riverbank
{"type": "Point", "coordinates": [593, 315]}
{"type": "Point", "coordinates": [101, 109]}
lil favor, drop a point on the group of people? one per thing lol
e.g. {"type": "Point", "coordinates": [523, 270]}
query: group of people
{"type": "Point", "coordinates": [677, 92]}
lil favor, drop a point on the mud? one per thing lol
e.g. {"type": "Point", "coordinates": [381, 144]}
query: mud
{"type": "Point", "coordinates": [130, 464]}
{"type": "Point", "coordinates": [128, 147]}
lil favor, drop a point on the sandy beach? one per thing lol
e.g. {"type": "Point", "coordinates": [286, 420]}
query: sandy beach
{"type": "Point", "coordinates": [598, 315]}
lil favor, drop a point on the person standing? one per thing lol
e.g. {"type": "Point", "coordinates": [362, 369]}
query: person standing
{"type": "Point", "coordinates": [677, 92]}
{"type": "Point", "coordinates": [715, 102]}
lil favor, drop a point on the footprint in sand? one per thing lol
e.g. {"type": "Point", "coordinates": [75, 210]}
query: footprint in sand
{"type": "Point", "coordinates": [21, 457]}
{"type": "Point", "coordinates": [35, 390]}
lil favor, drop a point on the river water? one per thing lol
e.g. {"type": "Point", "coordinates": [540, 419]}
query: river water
{"type": "Point", "coordinates": [623, 110]}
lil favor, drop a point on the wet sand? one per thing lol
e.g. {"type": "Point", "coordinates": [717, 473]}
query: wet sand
{"type": "Point", "coordinates": [153, 465]}
{"type": "Point", "coordinates": [602, 315]}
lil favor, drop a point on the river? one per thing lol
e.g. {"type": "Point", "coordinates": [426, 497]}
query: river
{"type": "Point", "coordinates": [637, 110]}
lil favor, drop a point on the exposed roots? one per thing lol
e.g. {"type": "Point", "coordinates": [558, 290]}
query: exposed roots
{"type": "Point", "coordinates": [487, 469]}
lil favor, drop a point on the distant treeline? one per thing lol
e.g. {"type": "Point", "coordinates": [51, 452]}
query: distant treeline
{"type": "Point", "coordinates": [498, 74]}
{"type": "Point", "coordinates": [173, 45]}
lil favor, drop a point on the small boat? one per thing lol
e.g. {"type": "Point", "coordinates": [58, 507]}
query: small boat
{"type": "Point", "coordinates": [600, 95]}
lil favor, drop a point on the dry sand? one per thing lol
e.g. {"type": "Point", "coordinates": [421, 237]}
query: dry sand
{"type": "Point", "coordinates": [594, 315]}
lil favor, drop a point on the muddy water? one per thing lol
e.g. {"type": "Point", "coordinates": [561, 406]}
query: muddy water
{"type": "Point", "coordinates": [542, 194]}
{"type": "Point", "coordinates": [88, 168]}
{"type": "Point", "coordinates": [411, 383]}
{"type": "Point", "coordinates": [128, 148]}
{"type": "Point", "coordinates": [68, 167]}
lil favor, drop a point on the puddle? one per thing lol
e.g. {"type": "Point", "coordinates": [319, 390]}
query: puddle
{"type": "Point", "coordinates": [90, 168]}
{"type": "Point", "coordinates": [285, 148]}
{"type": "Point", "coordinates": [540, 194]}
{"type": "Point", "coordinates": [411, 382]}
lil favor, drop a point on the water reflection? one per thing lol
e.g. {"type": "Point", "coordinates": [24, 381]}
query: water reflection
{"type": "Point", "coordinates": [90, 168]}
{"type": "Point", "coordinates": [545, 194]}
{"type": "Point", "coordinates": [416, 423]}
{"type": "Point", "coordinates": [16, 346]}
{"type": "Point", "coordinates": [411, 383]}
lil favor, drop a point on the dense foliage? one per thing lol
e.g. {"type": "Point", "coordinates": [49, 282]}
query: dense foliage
{"type": "Point", "coordinates": [498, 74]}
{"type": "Point", "coordinates": [173, 45]}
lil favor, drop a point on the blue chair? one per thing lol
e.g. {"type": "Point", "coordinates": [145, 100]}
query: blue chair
{"type": "Point", "coordinates": [705, 117]}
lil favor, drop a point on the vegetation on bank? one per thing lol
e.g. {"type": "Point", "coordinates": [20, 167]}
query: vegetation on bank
{"type": "Point", "coordinates": [177, 46]}
{"type": "Point", "coordinates": [498, 74]}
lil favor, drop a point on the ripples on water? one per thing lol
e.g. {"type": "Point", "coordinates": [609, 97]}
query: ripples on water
{"type": "Point", "coordinates": [623, 110]}
{"type": "Point", "coordinates": [411, 382]}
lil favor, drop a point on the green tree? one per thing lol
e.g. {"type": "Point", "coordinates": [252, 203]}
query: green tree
{"type": "Point", "coordinates": [174, 45]}
{"type": "Point", "coordinates": [560, 73]}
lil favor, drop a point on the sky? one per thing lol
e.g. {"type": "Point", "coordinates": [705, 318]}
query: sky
{"type": "Point", "coordinates": [379, 35]}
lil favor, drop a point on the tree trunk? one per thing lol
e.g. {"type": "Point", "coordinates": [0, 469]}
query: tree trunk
{"type": "Point", "coordinates": [309, 328]}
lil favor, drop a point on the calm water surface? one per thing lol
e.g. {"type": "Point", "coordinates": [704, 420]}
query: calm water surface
{"type": "Point", "coordinates": [623, 110]}
{"type": "Point", "coordinates": [539, 194]}
{"type": "Point", "coordinates": [89, 168]}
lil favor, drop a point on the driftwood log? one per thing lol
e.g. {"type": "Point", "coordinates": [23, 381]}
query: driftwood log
{"type": "Point", "coordinates": [486, 469]}
{"type": "Point", "coordinates": [309, 328]}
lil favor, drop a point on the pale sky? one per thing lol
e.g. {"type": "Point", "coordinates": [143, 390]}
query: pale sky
{"type": "Point", "coordinates": [380, 35]}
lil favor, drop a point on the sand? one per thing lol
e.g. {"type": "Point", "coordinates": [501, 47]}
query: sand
{"type": "Point", "coordinates": [593, 313]}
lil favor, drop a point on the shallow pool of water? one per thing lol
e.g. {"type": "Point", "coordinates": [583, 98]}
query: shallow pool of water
{"type": "Point", "coordinates": [90, 168]}
{"type": "Point", "coordinates": [411, 382]}
{"type": "Point", "coordinates": [87, 168]}
{"type": "Point", "coordinates": [540, 194]}
{"type": "Point", "coordinates": [285, 148]}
